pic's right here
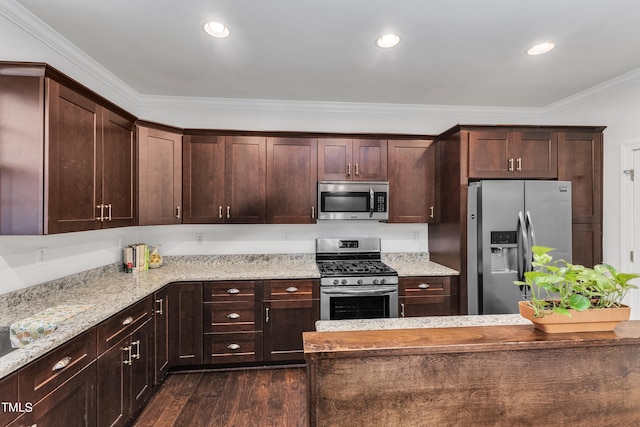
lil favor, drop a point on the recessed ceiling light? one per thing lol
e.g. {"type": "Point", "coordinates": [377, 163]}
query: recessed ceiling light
{"type": "Point", "coordinates": [216, 29]}
{"type": "Point", "coordinates": [388, 40]}
{"type": "Point", "coordinates": [541, 48]}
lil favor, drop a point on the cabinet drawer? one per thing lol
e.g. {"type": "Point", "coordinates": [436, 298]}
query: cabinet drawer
{"type": "Point", "coordinates": [114, 329]}
{"type": "Point", "coordinates": [229, 291]}
{"type": "Point", "coordinates": [434, 305]}
{"type": "Point", "coordinates": [230, 317]}
{"type": "Point", "coordinates": [233, 347]}
{"type": "Point", "coordinates": [290, 289]}
{"type": "Point", "coordinates": [424, 286]}
{"type": "Point", "coordinates": [49, 372]}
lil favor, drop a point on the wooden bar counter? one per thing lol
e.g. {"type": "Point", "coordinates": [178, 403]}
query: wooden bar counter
{"type": "Point", "coordinates": [471, 376]}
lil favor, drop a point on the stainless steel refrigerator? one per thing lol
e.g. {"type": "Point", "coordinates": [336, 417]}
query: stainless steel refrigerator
{"type": "Point", "coordinates": [505, 218]}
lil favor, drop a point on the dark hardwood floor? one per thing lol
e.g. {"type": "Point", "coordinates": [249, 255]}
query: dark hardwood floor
{"type": "Point", "coordinates": [248, 397]}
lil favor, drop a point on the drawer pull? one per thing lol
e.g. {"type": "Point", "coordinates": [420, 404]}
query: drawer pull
{"type": "Point", "coordinates": [62, 363]}
{"type": "Point", "coordinates": [423, 286]}
{"type": "Point", "coordinates": [233, 316]}
{"type": "Point", "coordinates": [233, 291]}
{"type": "Point", "coordinates": [127, 321]}
{"type": "Point", "coordinates": [292, 289]}
{"type": "Point", "coordinates": [233, 346]}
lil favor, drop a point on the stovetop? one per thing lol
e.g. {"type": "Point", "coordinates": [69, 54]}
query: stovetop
{"type": "Point", "coordinates": [354, 268]}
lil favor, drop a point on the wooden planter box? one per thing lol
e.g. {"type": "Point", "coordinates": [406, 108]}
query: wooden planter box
{"type": "Point", "coordinates": [592, 320]}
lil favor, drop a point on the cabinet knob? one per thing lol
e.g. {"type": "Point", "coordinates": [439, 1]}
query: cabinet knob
{"type": "Point", "coordinates": [423, 286]}
{"type": "Point", "coordinates": [233, 291]}
{"type": "Point", "coordinates": [233, 346]}
{"type": "Point", "coordinates": [233, 316]}
{"type": "Point", "coordinates": [62, 363]}
{"type": "Point", "coordinates": [127, 321]}
{"type": "Point", "coordinates": [292, 289]}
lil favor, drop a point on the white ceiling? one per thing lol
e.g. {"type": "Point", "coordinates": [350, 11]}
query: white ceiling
{"type": "Point", "coordinates": [452, 52]}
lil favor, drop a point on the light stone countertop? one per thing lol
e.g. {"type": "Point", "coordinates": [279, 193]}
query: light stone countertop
{"type": "Point", "coordinates": [111, 291]}
{"type": "Point", "coordinates": [420, 322]}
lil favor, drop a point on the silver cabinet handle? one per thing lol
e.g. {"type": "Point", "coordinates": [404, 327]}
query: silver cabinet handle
{"type": "Point", "coordinates": [62, 363]}
{"type": "Point", "coordinates": [127, 361]}
{"type": "Point", "coordinates": [510, 168]}
{"type": "Point", "coordinates": [233, 316]}
{"type": "Point", "coordinates": [160, 303]}
{"type": "Point", "coordinates": [127, 321]}
{"type": "Point", "coordinates": [292, 289]}
{"type": "Point", "coordinates": [137, 344]}
{"type": "Point", "coordinates": [233, 346]}
{"type": "Point", "coordinates": [431, 214]}
{"type": "Point", "coordinates": [233, 291]}
{"type": "Point", "coordinates": [519, 164]}
{"type": "Point", "coordinates": [356, 169]}
{"type": "Point", "coordinates": [401, 309]}
{"type": "Point", "coordinates": [178, 215]}
{"type": "Point", "coordinates": [313, 211]}
{"type": "Point", "coordinates": [219, 212]}
{"type": "Point", "coordinates": [109, 207]}
{"type": "Point", "coordinates": [423, 286]}
{"type": "Point", "coordinates": [348, 169]}
{"type": "Point", "coordinates": [101, 217]}
{"type": "Point", "coordinates": [228, 212]}
{"type": "Point", "coordinates": [266, 314]}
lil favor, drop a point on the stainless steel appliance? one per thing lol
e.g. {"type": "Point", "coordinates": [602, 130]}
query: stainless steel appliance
{"type": "Point", "coordinates": [506, 218]}
{"type": "Point", "coordinates": [353, 200]}
{"type": "Point", "coordinates": [354, 283]}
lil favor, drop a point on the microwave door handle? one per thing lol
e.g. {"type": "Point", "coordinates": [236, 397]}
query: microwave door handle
{"type": "Point", "coordinates": [371, 199]}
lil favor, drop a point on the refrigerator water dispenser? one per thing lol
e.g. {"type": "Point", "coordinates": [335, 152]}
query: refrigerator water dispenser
{"type": "Point", "coordinates": [504, 252]}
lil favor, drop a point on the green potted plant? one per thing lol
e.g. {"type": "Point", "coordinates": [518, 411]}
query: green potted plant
{"type": "Point", "coordinates": [567, 297]}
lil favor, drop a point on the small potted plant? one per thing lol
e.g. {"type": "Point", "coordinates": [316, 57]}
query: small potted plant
{"type": "Point", "coordinates": [567, 297]}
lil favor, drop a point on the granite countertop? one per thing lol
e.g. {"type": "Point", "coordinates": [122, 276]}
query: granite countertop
{"type": "Point", "coordinates": [420, 322]}
{"type": "Point", "coordinates": [110, 291]}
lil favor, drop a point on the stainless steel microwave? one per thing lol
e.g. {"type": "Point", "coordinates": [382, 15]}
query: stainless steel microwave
{"type": "Point", "coordinates": [353, 200]}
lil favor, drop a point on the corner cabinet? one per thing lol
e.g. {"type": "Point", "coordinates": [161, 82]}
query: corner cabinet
{"type": "Point", "coordinates": [352, 159]}
{"type": "Point", "coordinates": [72, 171]}
{"type": "Point", "coordinates": [412, 181]}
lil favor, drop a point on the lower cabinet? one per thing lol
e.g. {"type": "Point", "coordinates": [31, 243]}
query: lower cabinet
{"type": "Point", "coordinates": [291, 307]}
{"type": "Point", "coordinates": [125, 364]}
{"type": "Point", "coordinates": [161, 334]}
{"type": "Point", "coordinates": [184, 305]}
{"type": "Point", "coordinates": [424, 296]}
{"type": "Point", "coordinates": [11, 406]}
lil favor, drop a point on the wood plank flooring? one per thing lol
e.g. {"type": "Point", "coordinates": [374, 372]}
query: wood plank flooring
{"type": "Point", "coordinates": [249, 397]}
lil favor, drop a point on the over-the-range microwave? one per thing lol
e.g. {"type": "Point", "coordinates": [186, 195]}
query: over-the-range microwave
{"type": "Point", "coordinates": [353, 200]}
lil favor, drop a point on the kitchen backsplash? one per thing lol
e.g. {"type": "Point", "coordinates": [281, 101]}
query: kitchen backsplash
{"type": "Point", "coordinates": [30, 260]}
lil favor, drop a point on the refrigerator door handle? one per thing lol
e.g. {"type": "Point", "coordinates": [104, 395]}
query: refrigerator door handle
{"type": "Point", "coordinates": [532, 241]}
{"type": "Point", "coordinates": [523, 245]}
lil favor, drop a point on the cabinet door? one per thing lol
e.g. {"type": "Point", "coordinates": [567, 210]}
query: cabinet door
{"type": "Point", "coordinates": [369, 160]}
{"type": "Point", "coordinates": [141, 368]}
{"type": "Point", "coordinates": [203, 172]}
{"type": "Point", "coordinates": [118, 172]}
{"type": "Point", "coordinates": [535, 154]}
{"type": "Point", "coordinates": [292, 175]}
{"type": "Point", "coordinates": [245, 180]}
{"type": "Point", "coordinates": [425, 296]}
{"type": "Point", "coordinates": [587, 244]}
{"type": "Point", "coordinates": [185, 323]}
{"type": "Point", "coordinates": [9, 393]}
{"type": "Point", "coordinates": [74, 163]}
{"type": "Point", "coordinates": [161, 322]}
{"type": "Point", "coordinates": [72, 404]}
{"type": "Point", "coordinates": [114, 391]}
{"type": "Point", "coordinates": [489, 154]}
{"type": "Point", "coordinates": [334, 159]}
{"type": "Point", "coordinates": [160, 176]}
{"type": "Point", "coordinates": [412, 181]}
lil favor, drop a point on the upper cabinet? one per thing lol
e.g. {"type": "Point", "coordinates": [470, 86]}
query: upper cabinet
{"type": "Point", "coordinates": [74, 170]}
{"type": "Point", "coordinates": [159, 175]}
{"type": "Point", "coordinates": [292, 174]}
{"type": "Point", "coordinates": [352, 159]}
{"type": "Point", "coordinates": [513, 153]}
{"type": "Point", "coordinates": [412, 181]}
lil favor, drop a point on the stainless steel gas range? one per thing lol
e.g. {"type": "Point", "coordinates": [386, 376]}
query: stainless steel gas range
{"type": "Point", "coordinates": [354, 282]}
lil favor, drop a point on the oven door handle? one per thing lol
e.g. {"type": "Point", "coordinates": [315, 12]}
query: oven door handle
{"type": "Point", "coordinates": [377, 291]}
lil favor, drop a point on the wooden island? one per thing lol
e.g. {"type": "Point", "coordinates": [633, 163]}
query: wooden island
{"type": "Point", "coordinates": [507, 375]}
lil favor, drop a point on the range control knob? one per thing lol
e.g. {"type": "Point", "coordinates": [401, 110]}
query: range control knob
{"type": "Point", "coordinates": [383, 281]}
{"type": "Point", "coordinates": [336, 282]}
{"type": "Point", "coordinates": [344, 281]}
{"type": "Point", "coordinates": [376, 281]}
{"type": "Point", "coordinates": [360, 282]}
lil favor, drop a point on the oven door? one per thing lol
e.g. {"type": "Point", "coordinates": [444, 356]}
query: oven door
{"type": "Point", "coordinates": [358, 302]}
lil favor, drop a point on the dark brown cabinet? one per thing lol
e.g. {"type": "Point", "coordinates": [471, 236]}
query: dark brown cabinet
{"type": "Point", "coordinates": [232, 326]}
{"type": "Point", "coordinates": [291, 307]}
{"type": "Point", "coordinates": [72, 171]}
{"type": "Point", "coordinates": [184, 306]}
{"type": "Point", "coordinates": [412, 181]}
{"type": "Point", "coordinates": [125, 364]}
{"type": "Point", "coordinates": [424, 296]}
{"type": "Point", "coordinates": [292, 174]}
{"type": "Point", "coordinates": [513, 153]}
{"type": "Point", "coordinates": [161, 334]}
{"type": "Point", "coordinates": [9, 393]}
{"type": "Point", "coordinates": [245, 180]}
{"type": "Point", "coordinates": [159, 176]}
{"type": "Point", "coordinates": [352, 159]}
